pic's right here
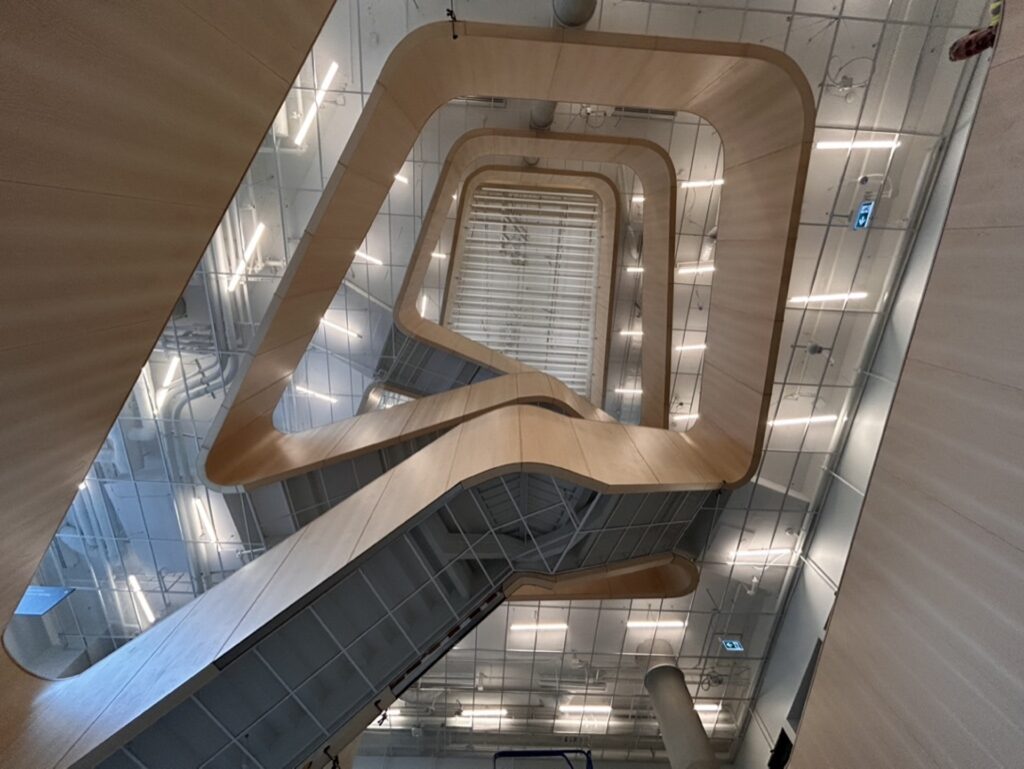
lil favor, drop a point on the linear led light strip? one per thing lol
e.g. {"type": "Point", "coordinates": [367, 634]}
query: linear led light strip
{"type": "Point", "coordinates": [250, 249]}
{"type": "Point", "coordinates": [859, 144]}
{"type": "Point", "coordinates": [701, 184]}
{"type": "Point", "coordinates": [655, 623]}
{"type": "Point", "coordinates": [161, 394]}
{"type": "Point", "coordinates": [821, 419]}
{"type": "Point", "coordinates": [627, 332]}
{"type": "Point", "coordinates": [759, 555]}
{"type": "Point", "coordinates": [690, 347]}
{"type": "Point", "coordinates": [685, 417]}
{"type": "Point", "coordinates": [828, 297]}
{"type": "Point", "coordinates": [140, 598]}
{"type": "Point", "coordinates": [438, 255]}
{"type": "Point", "coordinates": [635, 269]}
{"type": "Point", "coordinates": [484, 713]}
{"type": "Point", "coordinates": [321, 92]}
{"type": "Point", "coordinates": [367, 258]}
{"type": "Point", "coordinates": [539, 626]}
{"type": "Point", "coordinates": [699, 269]}
{"type": "Point", "coordinates": [574, 709]}
{"type": "Point", "coordinates": [314, 394]}
{"type": "Point", "coordinates": [342, 329]}
{"type": "Point", "coordinates": [629, 391]}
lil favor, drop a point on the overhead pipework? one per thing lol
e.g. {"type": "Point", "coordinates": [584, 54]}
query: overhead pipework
{"type": "Point", "coordinates": [685, 738]}
{"type": "Point", "coordinates": [568, 13]}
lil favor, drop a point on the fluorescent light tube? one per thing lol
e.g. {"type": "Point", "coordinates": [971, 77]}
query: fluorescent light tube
{"type": "Point", "coordinates": [685, 416]}
{"type": "Point", "coordinates": [314, 394]}
{"type": "Point", "coordinates": [484, 713]}
{"type": "Point", "coordinates": [371, 259]}
{"type": "Point", "coordinates": [860, 144]}
{"type": "Point", "coordinates": [656, 623]}
{"type": "Point", "coordinates": [627, 332]}
{"type": "Point", "coordinates": [690, 347]}
{"type": "Point", "coordinates": [828, 297]}
{"type": "Point", "coordinates": [586, 708]}
{"type": "Point", "coordinates": [402, 179]}
{"type": "Point", "coordinates": [171, 371]}
{"type": "Point", "coordinates": [342, 329]}
{"type": "Point", "coordinates": [140, 598]}
{"type": "Point", "coordinates": [539, 626]}
{"type": "Point", "coordinates": [629, 390]}
{"type": "Point", "coordinates": [699, 269]}
{"type": "Point", "coordinates": [634, 269]}
{"type": "Point", "coordinates": [707, 707]}
{"type": "Point", "coordinates": [761, 554]}
{"type": "Point", "coordinates": [638, 198]}
{"type": "Point", "coordinates": [700, 184]}
{"type": "Point", "coordinates": [321, 92]}
{"type": "Point", "coordinates": [250, 249]}
{"type": "Point", "coordinates": [822, 419]}
{"type": "Point", "coordinates": [438, 255]}
{"type": "Point", "coordinates": [205, 519]}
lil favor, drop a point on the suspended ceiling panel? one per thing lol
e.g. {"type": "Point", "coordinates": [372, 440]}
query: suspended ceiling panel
{"type": "Point", "coordinates": [525, 279]}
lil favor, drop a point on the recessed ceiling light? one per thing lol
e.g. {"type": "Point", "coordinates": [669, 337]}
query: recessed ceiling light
{"type": "Point", "coordinates": [828, 297]}
{"type": "Point", "coordinates": [371, 259]}
{"type": "Point", "coordinates": [699, 269]}
{"type": "Point", "coordinates": [586, 708]}
{"type": "Point", "coordinates": [655, 623]}
{"type": "Point", "coordinates": [539, 626]}
{"type": "Point", "coordinates": [770, 552]}
{"type": "Point", "coordinates": [860, 144]}
{"type": "Point", "coordinates": [140, 598]}
{"type": "Point", "coordinates": [699, 184]}
{"type": "Point", "coordinates": [816, 420]}
{"type": "Point", "coordinates": [250, 249]}
{"type": "Point", "coordinates": [321, 92]}
{"type": "Point", "coordinates": [707, 707]}
{"type": "Point", "coordinates": [342, 329]}
{"type": "Point", "coordinates": [314, 394]}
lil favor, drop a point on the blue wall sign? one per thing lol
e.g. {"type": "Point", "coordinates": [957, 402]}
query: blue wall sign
{"type": "Point", "coordinates": [863, 218]}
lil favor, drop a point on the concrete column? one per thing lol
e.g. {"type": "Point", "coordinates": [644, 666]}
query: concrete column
{"type": "Point", "coordinates": [685, 740]}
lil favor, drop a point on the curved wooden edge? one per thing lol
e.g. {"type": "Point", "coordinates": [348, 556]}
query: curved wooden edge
{"type": "Point", "coordinates": [552, 179]}
{"type": "Point", "coordinates": [666, 575]}
{"type": "Point", "coordinates": [88, 711]}
{"type": "Point", "coordinates": [656, 173]}
{"type": "Point", "coordinates": [260, 454]}
{"type": "Point", "coordinates": [755, 97]}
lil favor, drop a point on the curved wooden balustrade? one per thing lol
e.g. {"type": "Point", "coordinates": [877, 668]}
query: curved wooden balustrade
{"type": "Point", "coordinates": [660, 576]}
{"type": "Point", "coordinates": [756, 98]}
{"type": "Point", "coordinates": [653, 168]}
